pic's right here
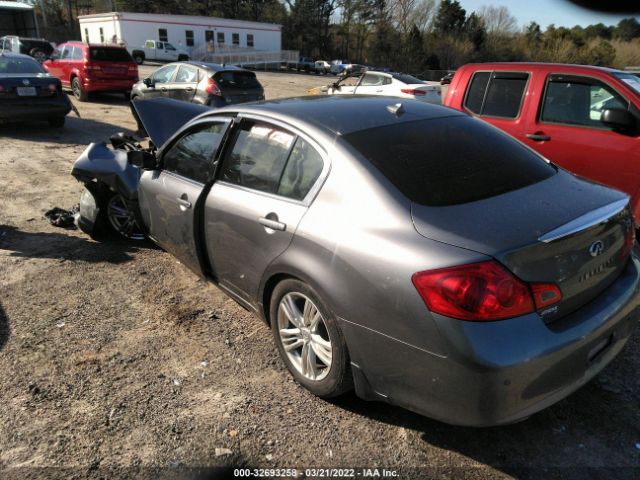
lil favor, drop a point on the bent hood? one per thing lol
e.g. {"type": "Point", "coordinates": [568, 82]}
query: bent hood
{"type": "Point", "coordinates": [160, 118]}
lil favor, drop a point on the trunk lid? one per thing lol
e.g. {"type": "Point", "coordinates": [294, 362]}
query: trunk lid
{"type": "Point", "coordinates": [562, 230]}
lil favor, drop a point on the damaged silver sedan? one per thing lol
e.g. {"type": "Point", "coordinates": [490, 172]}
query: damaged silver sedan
{"type": "Point", "coordinates": [404, 249]}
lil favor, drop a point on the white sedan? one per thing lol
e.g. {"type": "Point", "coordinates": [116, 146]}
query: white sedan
{"type": "Point", "coordinates": [387, 84]}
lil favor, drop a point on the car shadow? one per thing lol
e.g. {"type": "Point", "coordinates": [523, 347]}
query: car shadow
{"type": "Point", "coordinates": [4, 328]}
{"type": "Point", "coordinates": [104, 99]}
{"type": "Point", "coordinates": [592, 434]}
{"type": "Point", "coordinates": [65, 247]}
{"type": "Point", "coordinates": [76, 131]}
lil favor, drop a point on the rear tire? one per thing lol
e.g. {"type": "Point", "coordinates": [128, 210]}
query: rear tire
{"type": "Point", "coordinates": [57, 122]}
{"type": "Point", "coordinates": [79, 92]}
{"type": "Point", "coordinates": [309, 340]}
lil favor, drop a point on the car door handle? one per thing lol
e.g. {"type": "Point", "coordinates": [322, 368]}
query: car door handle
{"type": "Point", "coordinates": [272, 224]}
{"type": "Point", "coordinates": [378, 91]}
{"type": "Point", "coordinates": [538, 137]}
{"type": "Point", "coordinates": [189, 89]}
{"type": "Point", "coordinates": [183, 202]}
{"type": "Point", "coordinates": [163, 89]}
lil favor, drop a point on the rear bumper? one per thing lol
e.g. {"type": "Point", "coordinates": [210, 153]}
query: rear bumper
{"type": "Point", "coordinates": [500, 372]}
{"type": "Point", "coordinates": [16, 110]}
{"type": "Point", "coordinates": [108, 85]}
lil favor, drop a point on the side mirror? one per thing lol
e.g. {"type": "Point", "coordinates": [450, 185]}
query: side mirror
{"type": "Point", "coordinates": [149, 82]}
{"type": "Point", "coordinates": [618, 119]}
{"type": "Point", "coordinates": [142, 159]}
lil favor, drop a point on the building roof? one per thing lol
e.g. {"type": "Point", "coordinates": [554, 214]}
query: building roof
{"type": "Point", "coordinates": [4, 5]}
{"type": "Point", "coordinates": [189, 20]}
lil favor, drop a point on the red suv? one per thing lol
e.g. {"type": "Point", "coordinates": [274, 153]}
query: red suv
{"type": "Point", "coordinates": [586, 119]}
{"type": "Point", "coordinates": [89, 68]}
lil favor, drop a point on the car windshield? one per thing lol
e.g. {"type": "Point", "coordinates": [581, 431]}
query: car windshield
{"type": "Point", "coordinates": [449, 161]}
{"type": "Point", "coordinates": [408, 79]}
{"type": "Point", "coordinates": [631, 80]}
{"type": "Point", "coordinates": [109, 54]}
{"type": "Point", "coordinates": [232, 79]}
{"type": "Point", "coordinates": [19, 65]}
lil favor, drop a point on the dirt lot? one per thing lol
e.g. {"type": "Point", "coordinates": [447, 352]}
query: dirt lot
{"type": "Point", "coordinates": [116, 362]}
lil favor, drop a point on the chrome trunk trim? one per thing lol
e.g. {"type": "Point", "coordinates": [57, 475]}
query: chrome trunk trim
{"type": "Point", "coordinates": [595, 217]}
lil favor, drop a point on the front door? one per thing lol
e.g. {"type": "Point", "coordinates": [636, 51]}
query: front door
{"type": "Point", "coordinates": [253, 209]}
{"type": "Point", "coordinates": [162, 78]}
{"type": "Point", "coordinates": [569, 131]}
{"type": "Point", "coordinates": [169, 196]}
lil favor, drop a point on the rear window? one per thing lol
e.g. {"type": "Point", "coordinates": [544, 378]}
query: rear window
{"type": "Point", "coordinates": [231, 79]}
{"type": "Point", "coordinates": [449, 161]}
{"type": "Point", "coordinates": [19, 65]}
{"type": "Point", "coordinates": [109, 54]}
{"type": "Point", "coordinates": [408, 79]}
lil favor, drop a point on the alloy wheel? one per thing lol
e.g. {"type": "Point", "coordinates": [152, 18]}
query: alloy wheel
{"type": "Point", "coordinates": [122, 219]}
{"type": "Point", "coordinates": [304, 336]}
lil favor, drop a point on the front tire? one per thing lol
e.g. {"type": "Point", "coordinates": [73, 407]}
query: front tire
{"type": "Point", "coordinates": [79, 92]}
{"type": "Point", "coordinates": [121, 219]}
{"type": "Point", "coordinates": [309, 340]}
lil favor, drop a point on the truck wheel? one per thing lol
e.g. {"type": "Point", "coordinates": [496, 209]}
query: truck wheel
{"type": "Point", "coordinates": [183, 58]}
{"type": "Point", "coordinates": [138, 58]}
{"type": "Point", "coordinates": [56, 122]}
{"type": "Point", "coordinates": [38, 54]}
{"type": "Point", "coordinates": [79, 92]}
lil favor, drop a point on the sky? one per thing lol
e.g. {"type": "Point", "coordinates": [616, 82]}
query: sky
{"type": "Point", "coordinates": [562, 13]}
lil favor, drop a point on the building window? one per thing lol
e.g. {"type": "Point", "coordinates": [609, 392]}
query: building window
{"type": "Point", "coordinates": [101, 36]}
{"type": "Point", "coordinates": [162, 35]}
{"type": "Point", "coordinates": [249, 39]}
{"type": "Point", "coordinates": [208, 36]}
{"type": "Point", "coordinates": [86, 35]}
{"type": "Point", "coordinates": [235, 38]}
{"type": "Point", "coordinates": [220, 37]}
{"type": "Point", "coordinates": [189, 37]}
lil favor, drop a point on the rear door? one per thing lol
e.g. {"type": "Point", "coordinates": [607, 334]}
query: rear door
{"type": "Point", "coordinates": [169, 196]}
{"type": "Point", "coordinates": [569, 131]}
{"type": "Point", "coordinates": [183, 86]}
{"type": "Point", "coordinates": [265, 184]}
{"type": "Point", "coordinates": [372, 84]}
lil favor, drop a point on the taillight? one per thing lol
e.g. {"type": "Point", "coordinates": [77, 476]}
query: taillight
{"type": "Point", "coordinates": [482, 291]}
{"type": "Point", "coordinates": [545, 294]}
{"type": "Point", "coordinates": [133, 69]}
{"type": "Point", "coordinates": [2, 89]}
{"type": "Point", "coordinates": [212, 87]}
{"type": "Point", "coordinates": [410, 91]}
{"type": "Point", "coordinates": [92, 67]}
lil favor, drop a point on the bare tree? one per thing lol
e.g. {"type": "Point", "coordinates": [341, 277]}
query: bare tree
{"type": "Point", "coordinates": [498, 20]}
{"type": "Point", "coordinates": [407, 13]}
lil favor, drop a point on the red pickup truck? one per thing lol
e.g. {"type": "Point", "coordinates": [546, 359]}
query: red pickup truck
{"type": "Point", "coordinates": [585, 119]}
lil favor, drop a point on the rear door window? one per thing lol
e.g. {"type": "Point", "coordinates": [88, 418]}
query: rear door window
{"type": "Point", "coordinates": [187, 74]}
{"type": "Point", "coordinates": [449, 161]}
{"type": "Point", "coordinates": [301, 172]}
{"type": "Point", "coordinates": [496, 94]}
{"type": "Point", "coordinates": [578, 101]}
{"type": "Point", "coordinates": [77, 53]}
{"type": "Point", "coordinates": [258, 157]}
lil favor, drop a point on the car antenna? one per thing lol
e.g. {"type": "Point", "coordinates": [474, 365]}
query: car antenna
{"type": "Point", "coordinates": [396, 109]}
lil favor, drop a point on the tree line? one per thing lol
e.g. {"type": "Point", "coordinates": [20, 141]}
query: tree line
{"type": "Point", "coordinates": [407, 35]}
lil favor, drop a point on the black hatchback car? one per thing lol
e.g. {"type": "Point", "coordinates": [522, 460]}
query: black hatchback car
{"type": "Point", "coordinates": [28, 92]}
{"type": "Point", "coordinates": [208, 84]}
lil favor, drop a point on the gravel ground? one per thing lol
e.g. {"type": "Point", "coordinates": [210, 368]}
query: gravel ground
{"type": "Point", "coordinates": [117, 362]}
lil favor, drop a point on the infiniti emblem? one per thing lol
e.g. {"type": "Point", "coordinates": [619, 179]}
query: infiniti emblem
{"type": "Point", "coordinates": [25, 82]}
{"type": "Point", "coordinates": [596, 248]}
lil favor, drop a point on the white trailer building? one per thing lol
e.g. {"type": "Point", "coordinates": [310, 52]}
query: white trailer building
{"type": "Point", "coordinates": [191, 33]}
